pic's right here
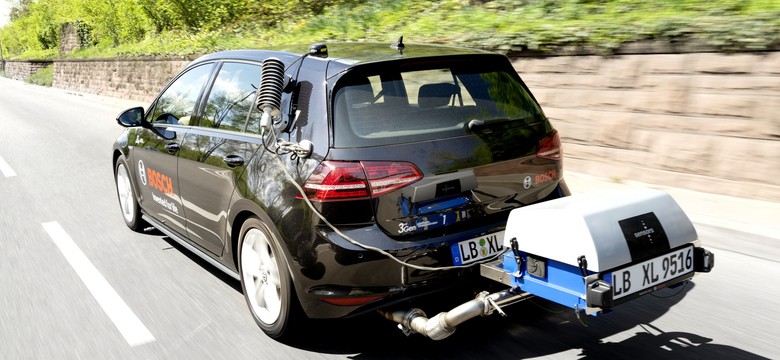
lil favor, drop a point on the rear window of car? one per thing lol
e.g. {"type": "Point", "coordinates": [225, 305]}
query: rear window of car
{"type": "Point", "coordinates": [401, 102]}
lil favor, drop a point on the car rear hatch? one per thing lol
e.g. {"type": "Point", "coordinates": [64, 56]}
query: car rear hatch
{"type": "Point", "coordinates": [435, 150]}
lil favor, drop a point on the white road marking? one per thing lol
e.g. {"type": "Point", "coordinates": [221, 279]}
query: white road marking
{"type": "Point", "coordinates": [133, 330]}
{"type": "Point", "coordinates": [6, 169]}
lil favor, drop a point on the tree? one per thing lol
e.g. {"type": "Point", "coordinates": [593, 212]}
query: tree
{"type": "Point", "coordinates": [18, 9]}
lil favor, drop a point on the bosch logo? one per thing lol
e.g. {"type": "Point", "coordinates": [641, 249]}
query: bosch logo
{"type": "Point", "coordinates": [142, 172]}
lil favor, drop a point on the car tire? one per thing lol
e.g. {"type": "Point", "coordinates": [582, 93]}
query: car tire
{"type": "Point", "coordinates": [128, 204]}
{"type": "Point", "coordinates": [265, 280]}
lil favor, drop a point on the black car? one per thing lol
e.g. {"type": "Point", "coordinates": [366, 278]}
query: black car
{"type": "Point", "coordinates": [337, 180]}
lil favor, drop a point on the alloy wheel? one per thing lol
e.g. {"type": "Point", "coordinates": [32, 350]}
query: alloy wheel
{"type": "Point", "coordinates": [260, 272]}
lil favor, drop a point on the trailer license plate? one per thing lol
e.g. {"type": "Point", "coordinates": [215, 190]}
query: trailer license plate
{"type": "Point", "coordinates": [653, 272]}
{"type": "Point", "coordinates": [469, 251]}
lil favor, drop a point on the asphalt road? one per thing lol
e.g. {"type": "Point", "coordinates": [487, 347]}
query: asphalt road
{"type": "Point", "coordinates": [75, 283]}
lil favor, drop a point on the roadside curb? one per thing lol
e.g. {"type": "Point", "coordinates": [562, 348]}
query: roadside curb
{"type": "Point", "coordinates": [114, 102]}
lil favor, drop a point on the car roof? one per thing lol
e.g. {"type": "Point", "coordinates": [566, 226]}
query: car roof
{"type": "Point", "coordinates": [345, 54]}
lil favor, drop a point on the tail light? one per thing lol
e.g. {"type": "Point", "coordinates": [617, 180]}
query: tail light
{"type": "Point", "coordinates": [550, 147]}
{"type": "Point", "coordinates": [347, 180]}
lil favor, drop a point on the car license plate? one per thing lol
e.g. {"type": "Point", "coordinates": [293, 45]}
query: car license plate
{"type": "Point", "coordinates": [653, 272]}
{"type": "Point", "coordinates": [485, 246]}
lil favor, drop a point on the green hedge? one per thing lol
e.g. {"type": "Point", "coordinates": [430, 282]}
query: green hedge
{"type": "Point", "coordinates": [171, 27]}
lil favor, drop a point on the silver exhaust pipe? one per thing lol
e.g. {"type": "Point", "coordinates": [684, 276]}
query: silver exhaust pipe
{"type": "Point", "coordinates": [443, 324]}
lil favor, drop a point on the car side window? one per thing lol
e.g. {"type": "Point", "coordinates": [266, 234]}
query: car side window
{"type": "Point", "coordinates": [232, 97]}
{"type": "Point", "coordinates": [177, 103]}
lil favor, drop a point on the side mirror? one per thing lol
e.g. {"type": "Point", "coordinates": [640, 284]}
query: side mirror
{"type": "Point", "coordinates": [131, 117]}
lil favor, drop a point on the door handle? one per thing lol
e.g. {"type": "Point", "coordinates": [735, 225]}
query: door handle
{"type": "Point", "coordinates": [233, 160]}
{"type": "Point", "coordinates": [172, 147]}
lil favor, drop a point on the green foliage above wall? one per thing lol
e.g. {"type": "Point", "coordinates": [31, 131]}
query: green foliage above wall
{"type": "Point", "coordinates": [176, 27]}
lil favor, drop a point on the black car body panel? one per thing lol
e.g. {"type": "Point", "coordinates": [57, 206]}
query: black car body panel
{"type": "Point", "coordinates": [201, 178]}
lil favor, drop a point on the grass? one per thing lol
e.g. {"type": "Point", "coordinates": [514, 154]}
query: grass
{"type": "Point", "coordinates": [42, 77]}
{"type": "Point", "coordinates": [601, 26]}
{"type": "Point", "coordinates": [616, 179]}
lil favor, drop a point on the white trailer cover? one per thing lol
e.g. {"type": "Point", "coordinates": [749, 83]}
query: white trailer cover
{"type": "Point", "coordinates": [610, 227]}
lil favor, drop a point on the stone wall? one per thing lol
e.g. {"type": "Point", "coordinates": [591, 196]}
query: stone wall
{"type": "Point", "coordinates": [708, 122]}
{"type": "Point", "coordinates": [21, 70]}
{"type": "Point", "coordinates": [703, 121]}
{"type": "Point", "coordinates": [137, 79]}
{"type": "Point", "coordinates": [69, 40]}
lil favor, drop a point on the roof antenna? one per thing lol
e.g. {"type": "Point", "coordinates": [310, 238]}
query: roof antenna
{"type": "Point", "coordinates": [399, 45]}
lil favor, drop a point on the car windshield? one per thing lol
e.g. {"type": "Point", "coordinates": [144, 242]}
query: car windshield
{"type": "Point", "coordinates": [392, 103]}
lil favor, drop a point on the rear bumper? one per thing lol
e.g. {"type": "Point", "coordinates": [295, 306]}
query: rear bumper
{"type": "Point", "coordinates": [347, 280]}
{"type": "Point", "coordinates": [336, 278]}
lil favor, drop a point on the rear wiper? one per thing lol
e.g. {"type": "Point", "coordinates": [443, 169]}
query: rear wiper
{"type": "Point", "coordinates": [475, 123]}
